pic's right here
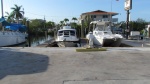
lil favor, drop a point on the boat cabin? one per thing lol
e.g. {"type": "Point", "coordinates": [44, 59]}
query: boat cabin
{"type": "Point", "coordinates": [101, 28]}
{"type": "Point", "coordinates": [66, 31]}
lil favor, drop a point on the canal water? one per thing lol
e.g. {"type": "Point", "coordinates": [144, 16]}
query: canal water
{"type": "Point", "coordinates": [34, 41]}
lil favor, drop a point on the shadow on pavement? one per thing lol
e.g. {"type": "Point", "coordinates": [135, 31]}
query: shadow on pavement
{"type": "Point", "coordinates": [17, 63]}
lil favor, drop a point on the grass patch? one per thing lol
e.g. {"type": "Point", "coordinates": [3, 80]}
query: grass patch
{"type": "Point", "coordinates": [90, 49]}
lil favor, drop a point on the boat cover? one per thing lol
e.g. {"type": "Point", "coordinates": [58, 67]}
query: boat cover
{"type": "Point", "coordinates": [4, 23]}
{"type": "Point", "coordinates": [16, 27]}
{"type": "Point", "coordinates": [13, 26]}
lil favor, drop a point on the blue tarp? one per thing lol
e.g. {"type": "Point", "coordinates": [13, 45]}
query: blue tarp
{"type": "Point", "coordinates": [4, 23]}
{"type": "Point", "coordinates": [13, 26]}
{"type": "Point", "coordinates": [16, 27]}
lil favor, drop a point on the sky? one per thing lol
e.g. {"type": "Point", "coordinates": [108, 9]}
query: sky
{"type": "Point", "coordinates": [57, 10]}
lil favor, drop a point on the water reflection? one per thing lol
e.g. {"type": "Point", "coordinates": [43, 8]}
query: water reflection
{"type": "Point", "coordinates": [35, 40]}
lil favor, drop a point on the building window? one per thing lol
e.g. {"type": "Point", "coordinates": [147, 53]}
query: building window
{"type": "Point", "coordinates": [105, 16]}
{"type": "Point", "coordinates": [93, 16]}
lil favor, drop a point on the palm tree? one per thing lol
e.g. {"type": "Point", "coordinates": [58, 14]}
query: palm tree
{"type": "Point", "coordinates": [17, 13]}
{"type": "Point", "coordinates": [74, 19]}
{"type": "Point", "coordinates": [66, 20]}
{"type": "Point", "coordinates": [87, 21]}
{"type": "Point", "coordinates": [61, 23]}
{"type": "Point", "coordinates": [9, 17]}
{"type": "Point", "coordinates": [24, 20]}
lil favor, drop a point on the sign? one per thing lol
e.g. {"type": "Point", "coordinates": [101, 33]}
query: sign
{"type": "Point", "coordinates": [128, 4]}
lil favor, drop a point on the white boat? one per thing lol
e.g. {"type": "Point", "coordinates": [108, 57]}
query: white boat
{"type": "Point", "coordinates": [9, 38]}
{"type": "Point", "coordinates": [103, 35]}
{"type": "Point", "coordinates": [67, 37]}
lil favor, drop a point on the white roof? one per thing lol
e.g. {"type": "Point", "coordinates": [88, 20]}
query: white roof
{"type": "Point", "coordinates": [66, 28]}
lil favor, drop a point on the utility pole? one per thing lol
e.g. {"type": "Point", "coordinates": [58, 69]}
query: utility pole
{"type": "Point", "coordinates": [127, 25]}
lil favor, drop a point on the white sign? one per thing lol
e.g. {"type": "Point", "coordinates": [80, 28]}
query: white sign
{"type": "Point", "coordinates": [128, 4]}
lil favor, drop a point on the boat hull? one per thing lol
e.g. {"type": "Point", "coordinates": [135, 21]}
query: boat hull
{"type": "Point", "coordinates": [108, 42]}
{"type": "Point", "coordinates": [67, 43]}
{"type": "Point", "coordinates": [112, 42]}
{"type": "Point", "coordinates": [66, 37]}
{"type": "Point", "coordinates": [11, 38]}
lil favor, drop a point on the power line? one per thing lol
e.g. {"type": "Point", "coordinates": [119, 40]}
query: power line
{"type": "Point", "coordinates": [49, 16]}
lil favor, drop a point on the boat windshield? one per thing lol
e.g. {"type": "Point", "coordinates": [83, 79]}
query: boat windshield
{"type": "Point", "coordinates": [72, 33]}
{"type": "Point", "coordinates": [60, 33]}
{"type": "Point", "coordinates": [102, 28]}
{"type": "Point", "coordinates": [66, 33]}
{"type": "Point", "coordinates": [107, 33]}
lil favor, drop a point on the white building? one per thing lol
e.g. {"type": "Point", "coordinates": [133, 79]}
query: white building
{"type": "Point", "coordinates": [99, 15]}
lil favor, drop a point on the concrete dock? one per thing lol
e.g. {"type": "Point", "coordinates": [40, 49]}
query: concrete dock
{"type": "Point", "coordinates": [47, 65]}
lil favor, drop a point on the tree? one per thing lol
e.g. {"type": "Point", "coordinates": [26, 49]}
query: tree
{"type": "Point", "coordinates": [87, 21]}
{"type": "Point", "coordinates": [74, 25]}
{"type": "Point", "coordinates": [137, 25]}
{"type": "Point", "coordinates": [37, 25]}
{"type": "Point", "coordinates": [61, 23]}
{"type": "Point", "coordinates": [9, 17]}
{"type": "Point", "coordinates": [66, 20]}
{"type": "Point", "coordinates": [140, 20]}
{"type": "Point", "coordinates": [50, 24]}
{"type": "Point", "coordinates": [74, 19]}
{"type": "Point", "coordinates": [24, 20]}
{"type": "Point", "coordinates": [17, 13]}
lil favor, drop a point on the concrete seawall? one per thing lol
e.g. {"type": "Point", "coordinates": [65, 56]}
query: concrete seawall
{"type": "Point", "coordinates": [84, 42]}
